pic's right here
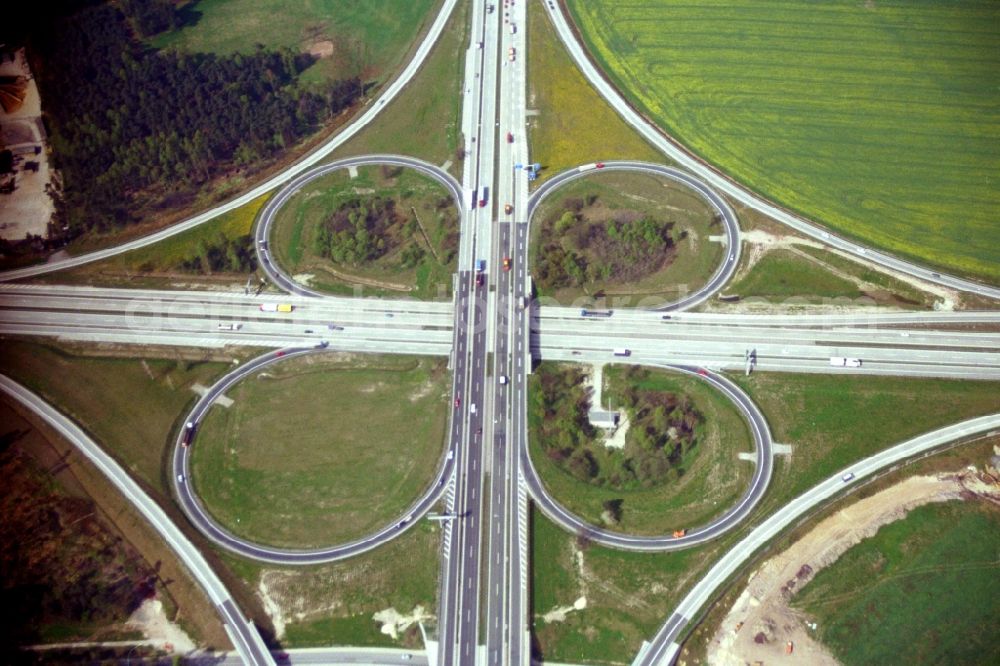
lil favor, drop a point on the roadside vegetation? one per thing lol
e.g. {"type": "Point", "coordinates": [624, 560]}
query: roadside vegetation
{"type": "Point", "coordinates": [574, 124]}
{"type": "Point", "coordinates": [335, 604]}
{"type": "Point", "coordinates": [924, 589]}
{"type": "Point", "coordinates": [677, 466]}
{"type": "Point", "coordinates": [425, 118]}
{"type": "Point", "coordinates": [831, 421]}
{"type": "Point", "coordinates": [807, 275]}
{"type": "Point", "coordinates": [873, 119]}
{"type": "Point", "coordinates": [60, 515]}
{"type": "Point", "coordinates": [387, 231]}
{"type": "Point", "coordinates": [621, 238]}
{"type": "Point", "coordinates": [288, 466]}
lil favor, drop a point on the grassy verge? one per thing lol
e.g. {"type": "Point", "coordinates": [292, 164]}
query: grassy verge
{"type": "Point", "coordinates": [130, 405]}
{"type": "Point", "coordinates": [294, 461]}
{"type": "Point", "coordinates": [922, 590]}
{"type": "Point", "coordinates": [424, 221]}
{"type": "Point", "coordinates": [712, 476]}
{"type": "Point", "coordinates": [832, 112]}
{"type": "Point", "coordinates": [833, 420]}
{"type": "Point", "coordinates": [631, 196]}
{"type": "Point", "coordinates": [160, 264]}
{"type": "Point", "coordinates": [352, 39]}
{"type": "Point", "coordinates": [334, 604]}
{"type": "Point", "coordinates": [97, 534]}
{"type": "Point", "coordinates": [424, 120]}
{"type": "Point", "coordinates": [574, 124]}
{"type": "Point", "coordinates": [811, 275]}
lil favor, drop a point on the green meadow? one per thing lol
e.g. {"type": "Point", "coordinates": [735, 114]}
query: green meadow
{"type": "Point", "coordinates": [878, 119]}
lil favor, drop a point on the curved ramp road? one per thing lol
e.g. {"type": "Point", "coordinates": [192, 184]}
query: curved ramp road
{"type": "Point", "coordinates": [207, 525]}
{"type": "Point", "coordinates": [653, 135]}
{"type": "Point", "coordinates": [663, 649]}
{"type": "Point", "coordinates": [313, 158]}
{"type": "Point", "coordinates": [263, 229]}
{"type": "Point", "coordinates": [721, 525]}
{"type": "Point", "coordinates": [242, 633]}
{"type": "Point", "coordinates": [724, 210]}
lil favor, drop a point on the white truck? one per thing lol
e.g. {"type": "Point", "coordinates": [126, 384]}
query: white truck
{"type": "Point", "coordinates": [230, 327]}
{"type": "Point", "coordinates": [842, 362]}
{"type": "Point", "coordinates": [621, 351]}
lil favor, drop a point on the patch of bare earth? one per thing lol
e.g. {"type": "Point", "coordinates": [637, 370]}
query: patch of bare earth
{"type": "Point", "coordinates": [760, 626]}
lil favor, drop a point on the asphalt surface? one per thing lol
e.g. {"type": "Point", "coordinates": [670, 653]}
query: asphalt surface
{"type": "Point", "coordinates": [732, 189]}
{"type": "Point", "coordinates": [313, 158]}
{"type": "Point", "coordinates": [694, 536]}
{"type": "Point", "coordinates": [664, 648]}
{"type": "Point", "coordinates": [262, 230]}
{"type": "Point", "coordinates": [240, 630]}
{"type": "Point", "coordinates": [725, 213]}
{"type": "Point", "coordinates": [199, 516]}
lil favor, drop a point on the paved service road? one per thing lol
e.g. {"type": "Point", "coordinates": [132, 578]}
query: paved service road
{"type": "Point", "coordinates": [262, 231]}
{"type": "Point", "coordinates": [207, 525]}
{"type": "Point", "coordinates": [723, 184]}
{"type": "Point", "coordinates": [345, 134]}
{"type": "Point", "coordinates": [241, 631]}
{"type": "Point", "coordinates": [722, 209]}
{"type": "Point", "coordinates": [663, 649]}
{"type": "Point", "coordinates": [694, 536]}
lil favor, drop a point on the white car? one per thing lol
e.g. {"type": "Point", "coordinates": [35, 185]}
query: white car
{"type": "Point", "coordinates": [847, 477]}
{"type": "Point", "coordinates": [180, 478]}
{"type": "Point", "coordinates": [503, 379]}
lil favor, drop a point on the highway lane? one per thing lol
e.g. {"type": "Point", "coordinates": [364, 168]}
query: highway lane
{"type": "Point", "coordinates": [734, 190]}
{"type": "Point", "coordinates": [207, 525]}
{"type": "Point", "coordinates": [724, 211]}
{"type": "Point", "coordinates": [240, 630]}
{"type": "Point", "coordinates": [262, 230]}
{"type": "Point", "coordinates": [728, 520]}
{"type": "Point", "coordinates": [313, 158]}
{"type": "Point", "coordinates": [663, 648]}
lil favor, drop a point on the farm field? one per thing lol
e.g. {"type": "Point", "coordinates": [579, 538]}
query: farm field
{"type": "Point", "coordinates": [880, 120]}
{"type": "Point", "coordinates": [922, 590]}
{"type": "Point", "coordinates": [294, 461]}
{"type": "Point", "coordinates": [354, 39]}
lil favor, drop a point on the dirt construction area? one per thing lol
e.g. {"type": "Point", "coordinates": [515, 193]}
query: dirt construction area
{"type": "Point", "coordinates": [760, 625]}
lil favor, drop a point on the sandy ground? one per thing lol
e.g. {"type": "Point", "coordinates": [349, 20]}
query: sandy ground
{"type": "Point", "coordinates": [761, 612]}
{"type": "Point", "coordinates": [152, 621]}
{"type": "Point", "coordinates": [395, 623]}
{"type": "Point", "coordinates": [27, 210]}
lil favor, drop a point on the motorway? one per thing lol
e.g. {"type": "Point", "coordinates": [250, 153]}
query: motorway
{"type": "Point", "coordinates": [723, 184]}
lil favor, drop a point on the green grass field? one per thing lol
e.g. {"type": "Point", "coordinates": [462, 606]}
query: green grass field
{"type": "Point", "coordinates": [423, 121]}
{"type": "Point", "coordinates": [296, 225]}
{"type": "Point", "coordinates": [923, 590]}
{"type": "Point", "coordinates": [368, 39]}
{"type": "Point", "coordinates": [714, 478]}
{"type": "Point", "coordinates": [814, 276]}
{"type": "Point", "coordinates": [575, 125]}
{"type": "Point", "coordinates": [879, 119]}
{"type": "Point", "coordinates": [831, 421]}
{"type": "Point", "coordinates": [131, 406]}
{"type": "Point", "coordinates": [696, 258]}
{"type": "Point", "coordinates": [295, 461]}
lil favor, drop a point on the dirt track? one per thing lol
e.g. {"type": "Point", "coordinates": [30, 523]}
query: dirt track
{"type": "Point", "coordinates": [761, 612]}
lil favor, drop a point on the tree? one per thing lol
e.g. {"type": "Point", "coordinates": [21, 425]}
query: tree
{"type": "Point", "coordinates": [613, 509]}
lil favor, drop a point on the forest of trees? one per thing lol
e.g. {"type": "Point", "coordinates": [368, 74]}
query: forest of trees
{"type": "Point", "coordinates": [577, 251]}
{"type": "Point", "coordinates": [663, 427]}
{"type": "Point", "coordinates": [358, 231]}
{"type": "Point", "coordinates": [132, 127]}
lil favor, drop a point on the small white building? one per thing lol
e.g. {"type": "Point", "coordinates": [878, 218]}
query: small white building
{"type": "Point", "coordinates": [602, 419]}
